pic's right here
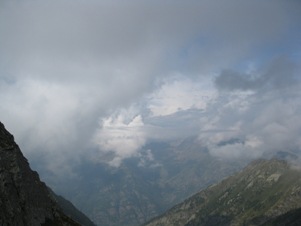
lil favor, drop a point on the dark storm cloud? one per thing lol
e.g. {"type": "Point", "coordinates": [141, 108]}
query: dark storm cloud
{"type": "Point", "coordinates": [232, 80]}
{"type": "Point", "coordinates": [280, 73]}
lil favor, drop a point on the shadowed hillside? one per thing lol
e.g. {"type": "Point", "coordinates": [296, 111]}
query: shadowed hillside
{"type": "Point", "coordinates": [24, 199]}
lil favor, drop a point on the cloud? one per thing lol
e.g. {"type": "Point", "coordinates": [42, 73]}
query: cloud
{"type": "Point", "coordinates": [250, 148]}
{"type": "Point", "coordinates": [147, 159]}
{"type": "Point", "coordinates": [279, 74]}
{"type": "Point", "coordinates": [123, 139]}
{"type": "Point", "coordinates": [56, 38]}
{"type": "Point", "coordinates": [170, 112]}
{"type": "Point", "coordinates": [179, 94]}
{"type": "Point", "coordinates": [66, 65]}
{"type": "Point", "coordinates": [262, 121]}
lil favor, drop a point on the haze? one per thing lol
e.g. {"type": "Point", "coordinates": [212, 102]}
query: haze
{"type": "Point", "coordinates": [101, 79]}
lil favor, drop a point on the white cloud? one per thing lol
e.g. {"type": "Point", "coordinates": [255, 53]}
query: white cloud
{"type": "Point", "coordinates": [250, 148]}
{"type": "Point", "coordinates": [123, 139]}
{"type": "Point", "coordinates": [253, 124]}
{"type": "Point", "coordinates": [39, 103]}
{"type": "Point", "coordinates": [179, 94]}
{"type": "Point", "coordinates": [147, 159]}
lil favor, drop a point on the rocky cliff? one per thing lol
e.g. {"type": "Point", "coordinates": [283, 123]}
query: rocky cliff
{"type": "Point", "coordinates": [24, 199]}
{"type": "Point", "coordinates": [70, 210]}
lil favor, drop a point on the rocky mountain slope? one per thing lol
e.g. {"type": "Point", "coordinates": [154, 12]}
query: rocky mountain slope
{"type": "Point", "coordinates": [70, 210]}
{"type": "Point", "coordinates": [24, 199]}
{"type": "Point", "coordinates": [264, 193]}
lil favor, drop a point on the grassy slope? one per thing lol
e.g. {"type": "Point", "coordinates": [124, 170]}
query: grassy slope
{"type": "Point", "coordinates": [261, 192]}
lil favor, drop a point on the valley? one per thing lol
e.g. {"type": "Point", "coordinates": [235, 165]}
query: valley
{"type": "Point", "coordinates": [134, 193]}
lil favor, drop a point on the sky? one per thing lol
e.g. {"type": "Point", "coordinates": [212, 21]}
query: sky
{"type": "Point", "coordinates": [102, 79]}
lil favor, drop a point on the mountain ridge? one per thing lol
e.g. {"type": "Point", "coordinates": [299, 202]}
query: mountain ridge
{"type": "Point", "coordinates": [24, 198]}
{"type": "Point", "coordinates": [263, 191]}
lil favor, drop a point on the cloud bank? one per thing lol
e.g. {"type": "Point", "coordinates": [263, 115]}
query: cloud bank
{"type": "Point", "coordinates": [263, 119]}
{"type": "Point", "coordinates": [227, 72]}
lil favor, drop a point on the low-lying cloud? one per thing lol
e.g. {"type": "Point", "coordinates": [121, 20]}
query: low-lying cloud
{"type": "Point", "coordinates": [201, 68]}
{"type": "Point", "coordinates": [264, 119]}
{"type": "Point", "coordinates": [123, 139]}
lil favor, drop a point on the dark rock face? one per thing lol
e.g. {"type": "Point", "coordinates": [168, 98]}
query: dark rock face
{"type": "Point", "coordinates": [24, 199]}
{"type": "Point", "coordinates": [70, 210]}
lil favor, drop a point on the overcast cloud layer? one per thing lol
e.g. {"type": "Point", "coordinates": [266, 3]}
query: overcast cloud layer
{"type": "Point", "coordinates": [110, 76]}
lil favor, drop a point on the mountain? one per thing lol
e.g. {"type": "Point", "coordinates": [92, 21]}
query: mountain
{"type": "Point", "coordinates": [266, 192]}
{"type": "Point", "coordinates": [70, 210]}
{"type": "Point", "coordinates": [291, 218]}
{"type": "Point", "coordinates": [24, 199]}
{"type": "Point", "coordinates": [144, 187]}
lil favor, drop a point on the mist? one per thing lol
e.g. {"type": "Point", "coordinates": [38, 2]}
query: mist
{"type": "Point", "coordinates": [99, 78]}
